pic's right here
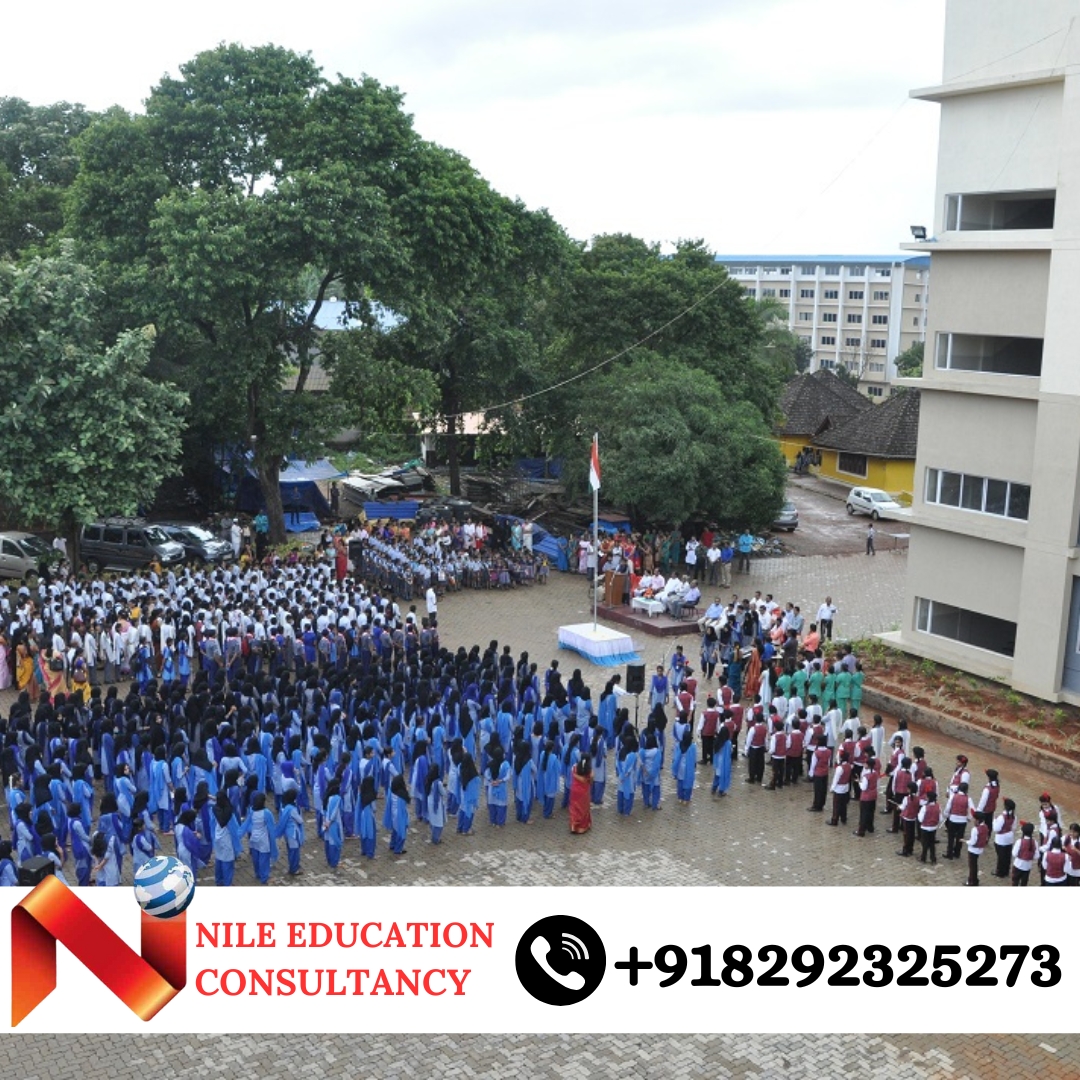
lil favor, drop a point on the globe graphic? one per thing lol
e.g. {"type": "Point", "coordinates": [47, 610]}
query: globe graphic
{"type": "Point", "coordinates": [164, 886]}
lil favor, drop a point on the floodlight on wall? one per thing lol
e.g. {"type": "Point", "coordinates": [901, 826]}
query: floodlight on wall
{"type": "Point", "coordinates": [918, 232]}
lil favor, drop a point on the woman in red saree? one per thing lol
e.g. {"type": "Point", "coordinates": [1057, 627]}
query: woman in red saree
{"type": "Point", "coordinates": [752, 674]}
{"type": "Point", "coordinates": [341, 558]}
{"type": "Point", "coordinates": [580, 792]}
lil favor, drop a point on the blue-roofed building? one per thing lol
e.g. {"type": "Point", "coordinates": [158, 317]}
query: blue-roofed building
{"type": "Point", "coordinates": [857, 312]}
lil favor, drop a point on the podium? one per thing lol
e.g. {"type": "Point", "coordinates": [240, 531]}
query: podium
{"type": "Point", "coordinates": [614, 588]}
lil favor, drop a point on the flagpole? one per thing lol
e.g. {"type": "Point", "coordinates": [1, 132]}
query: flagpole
{"type": "Point", "coordinates": [596, 549]}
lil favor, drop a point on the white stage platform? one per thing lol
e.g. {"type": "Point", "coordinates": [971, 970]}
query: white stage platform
{"type": "Point", "coordinates": [609, 648]}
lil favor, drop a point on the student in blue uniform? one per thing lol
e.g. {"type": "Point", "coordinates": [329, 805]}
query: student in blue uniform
{"type": "Point", "coordinates": [598, 753]}
{"type": "Point", "coordinates": [549, 773]}
{"type": "Point", "coordinates": [79, 838]}
{"type": "Point", "coordinates": [497, 781]}
{"type": "Point", "coordinates": [261, 827]}
{"type": "Point", "coordinates": [524, 781]}
{"type": "Point", "coordinates": [627, 769]}
{"type": "Point", "coordinates": [291, 826]}
{"type": "Point", "coordinates": [8, 874]}
{"type": "Point", "coordinates": [470, 794]}
{"type": "Point", "coordinates": [191, 849]}
{"type": "Point", "coordinates": [365, 816]}
{"type": "Point", "coordinates": [144, 844]}
{"type": "Point", "coordinates": [27, 841]}
{"type": "Point", "coordinates": [399, 814]}
{"type": "Point", "coordinates": [226, 840]}
{"type": "Point", "coordinates": [683, 765]}
{"type": "Point", "coordinates": [105, 851]}
{"type": "Point", "coordinates": [435, 803]}
{"type": "Point", "coordinates": [651, 763]}
{"type": "Point", "coordinates": [721, 761]}
{"type": "Point", "coordinates": [571, 756]}
{"type": "Point", "coordinates": [333, 832]}
{"type": "Point", "coordinates": [161, 790]}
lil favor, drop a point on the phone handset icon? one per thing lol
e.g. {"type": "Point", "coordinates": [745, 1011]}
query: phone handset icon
{"type": "Point", "coordinates": [540, 948]}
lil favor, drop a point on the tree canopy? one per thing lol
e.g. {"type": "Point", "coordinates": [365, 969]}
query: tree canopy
{"type": "Point", "coordinates": [84, 431]}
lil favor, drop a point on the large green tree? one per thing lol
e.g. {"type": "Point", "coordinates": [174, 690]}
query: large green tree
{"type": "Point", "coordinates": [84, 431]}
{"type": "Point", "coordinates": [251, 191]}
{"type": "Point", "coordinates": [679, 373]}
{"type": "Point", "coordinates": [38, 163]}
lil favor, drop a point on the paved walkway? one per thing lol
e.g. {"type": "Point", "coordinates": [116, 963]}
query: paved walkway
{"type": "Point", "coordinates": [542, 1057]}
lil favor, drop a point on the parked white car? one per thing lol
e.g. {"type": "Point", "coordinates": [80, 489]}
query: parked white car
{"type": "Point", "coordinates": [872, 501]}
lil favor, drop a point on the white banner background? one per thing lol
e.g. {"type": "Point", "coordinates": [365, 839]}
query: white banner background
{"type": "Point", "coordinates": [494, 1001]}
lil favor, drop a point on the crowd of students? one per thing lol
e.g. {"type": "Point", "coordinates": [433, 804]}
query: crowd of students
{"type": "Point", "coordinates": [266, 704]}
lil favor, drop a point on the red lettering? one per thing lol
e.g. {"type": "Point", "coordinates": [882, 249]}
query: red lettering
{"type": "Point", "coordinates": [199, 979]}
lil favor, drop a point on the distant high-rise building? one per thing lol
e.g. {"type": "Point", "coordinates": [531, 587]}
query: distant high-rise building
{"type": "Point", "coordinates": [857, 312]}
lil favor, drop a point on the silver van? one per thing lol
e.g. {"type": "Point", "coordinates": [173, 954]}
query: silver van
{"type": "Point", "coordinates": [125, 544]}
{"type": "Point", "coordinates": [21, 553]}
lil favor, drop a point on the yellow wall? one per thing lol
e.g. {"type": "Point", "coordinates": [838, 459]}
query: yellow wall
{"type": "Point", "coordinates": [896, 476]}
{"type": "Point", "coordinates": [791, 445]}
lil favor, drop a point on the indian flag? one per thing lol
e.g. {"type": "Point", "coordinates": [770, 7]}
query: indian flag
{"type": "Point", "coordinates": [594, 464]}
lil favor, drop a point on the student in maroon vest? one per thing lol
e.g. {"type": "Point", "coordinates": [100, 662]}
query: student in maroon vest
{"type": "Point", "coordinates": [869, 779]}
{"type": "Point", "coordinates": [892, 801]}
{"type": "Point", "coordinates": [901, 784]}
{"type": "Point", "coordinates": [756, 738]}
{"type": "Point", "coordinates": [960, 774]}
{"type": "Point", "coordinates": [841, 789]}
{"type": "Point", "coordinates": [778, 742]}
{"type": "Point", "coordinates": [819, 773]}
{"type": "Point", "coordinates": [929, 820]}
{"type": "Point", "coordinates": [1025, 852]}
{"type": "Point", "coordinates": [919, 766]}
{"type": "Point", "coordinates": [980, 837]}
{"type": "Point", "coordinates": [710, 721]}
{"type": "Point", "coordinates": [927, 784]}
{"type": "Point", "coordinates": [1053, 864]}
{"type": "Point", "coordinates": [988, 800]}
{"type": "Point", "coordinates": [1004, 830]}
{"type": "Point", "coordinates": [1071, 847]}
{"type": "Point", "coordinates": [1047, 811]}
{"type": "Point", "coordinates": [795, 742]}
{"type": "Point", "coordinates": [909, 821]}
{"type": "Point", "coordinates": [957, 812]}
{"type": "Point", "coordinates": [1051, 831]}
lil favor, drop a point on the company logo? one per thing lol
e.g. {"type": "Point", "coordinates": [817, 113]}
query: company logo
{"type": "Point", "coordinates": [52, 913]}
{"type": "Point", "coordinates": [560, 960]}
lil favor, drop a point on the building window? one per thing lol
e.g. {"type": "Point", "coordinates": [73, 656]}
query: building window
{"type": "Point", "coordinates": [749, 290]}
{"type": "Point", "coordinates": [856, 270]}
{"type": "Point", "coordinates": [875, 391]}
{"type": "Point", "coordinates": [969, 627]}
{"type": "Point", "coordinates": [768, 292]}
{"type": "Point", "coordinates": [855, 294]}
{"type": "Point", "coordinates": [880, 320]}
{"type": "Point", "coordinates": [854, 319]}
{"type": "Point", "coordinates": [1000, 210]}
{"type": "Point", "coordinates": [828, 340]}
{"type": "Point", "coordinates": [1002, 498]}
{"type": "Point", "coordinates": [878, 343]}
{"type": "Point", "coordinates": [808, 271]}
{"type": "Point", "coordinates": [828, 365]}
{"type": "Point", "coordinates": [885, 271]}
{"type": "Point", "coordinates": [806, 294]}
{"type": "Point", "coordinates": [808, 340]}
{"type": "Point", "coordinates": [881, 295]}
{"type": "Point", "coordinates": [878, 368]}
{"type": "Point", "coordinates": [918, 298]}
{"type": "Point", "coordinates": [828, 316]}
{"type": "Point", "coordinates": [989, 355]}
{"type": "Point", "coordinates": [853, 342]}
{"type": "Point", "coordinates": [915, 320]}
{"type": "Point", "coordinates": [852, 464]}
{"type": "Point", "coordinates": [806, 316]}
{"type": "Point", "coordinates": [785, 294]}
{"type": "Point", "coordinates": [832, 294]}
{"type": "Point", "coordinates": [831, 270]}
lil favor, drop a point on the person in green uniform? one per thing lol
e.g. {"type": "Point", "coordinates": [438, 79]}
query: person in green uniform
{"type": "Point", "coordinates": [828, 698]}
{"type": "Point", "coordinates": [856, 688]}
{"type": "Point", "coordinates": [843, 691]}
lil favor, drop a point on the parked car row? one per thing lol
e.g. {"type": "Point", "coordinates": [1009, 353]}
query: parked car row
{"type": "Point", "coordinates": [117, 544]}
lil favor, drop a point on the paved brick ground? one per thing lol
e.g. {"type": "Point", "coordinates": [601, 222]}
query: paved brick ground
{"type": "Point", "coordinates": [543, 1057]}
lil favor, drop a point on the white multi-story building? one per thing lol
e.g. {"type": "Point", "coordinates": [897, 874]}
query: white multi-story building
{"type": "Point", "coordinates": [994, 562]}
{"type": "Point", "coordinates": [857, 312]}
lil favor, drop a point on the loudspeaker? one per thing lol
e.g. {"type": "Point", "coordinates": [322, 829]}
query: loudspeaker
{"type": "Point", "coordinates": [635, 678]}
{"type": "Point", "coordinates": [36, 869]}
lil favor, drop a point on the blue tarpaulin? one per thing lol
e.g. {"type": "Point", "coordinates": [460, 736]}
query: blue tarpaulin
{"type": "Point", "coordinates": [299, 485]}
{"type": "Point", "coordinates": [397, 510]}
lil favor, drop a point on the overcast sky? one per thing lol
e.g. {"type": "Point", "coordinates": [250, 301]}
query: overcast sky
{"type": "Point", "coordinates": [763, 126]}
